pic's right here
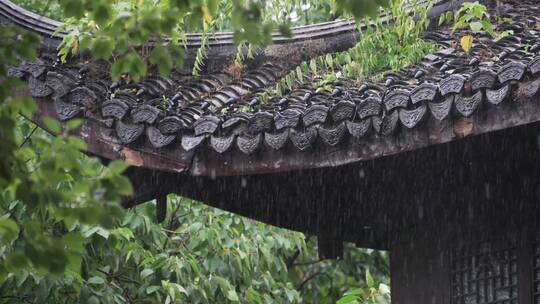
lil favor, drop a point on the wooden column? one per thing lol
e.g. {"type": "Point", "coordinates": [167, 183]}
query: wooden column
{"type": "Point", "coordinates": [420, 272]}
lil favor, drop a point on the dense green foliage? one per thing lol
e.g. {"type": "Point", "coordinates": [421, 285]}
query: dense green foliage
{"type": "Point", "coordinates": [390, 44]}
{"type": "Point", "coordinates": [199, 254]}
{"type": "Point", "coordinates": [393, 46]}
{"type": "Point", "coordinates": [472, 18]}
{"type": "Point", "coordinates": [47, 189]}
{"type": "Point", "coordinates": [48, 8]}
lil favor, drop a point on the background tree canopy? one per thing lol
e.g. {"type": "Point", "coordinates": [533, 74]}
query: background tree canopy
{"type": "Point", "coordinates": [64, 237]}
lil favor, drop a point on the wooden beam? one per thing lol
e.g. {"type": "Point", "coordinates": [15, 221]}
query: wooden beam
{"type": "Point", "coordinates": [329, 248]}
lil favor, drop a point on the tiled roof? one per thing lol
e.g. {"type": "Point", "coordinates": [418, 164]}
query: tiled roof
{"type": "Point", "coordinates": [183, 111]}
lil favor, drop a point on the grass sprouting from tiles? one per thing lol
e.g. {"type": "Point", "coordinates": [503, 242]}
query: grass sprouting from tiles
{"type": "Point", "coordinates": [387, 45]}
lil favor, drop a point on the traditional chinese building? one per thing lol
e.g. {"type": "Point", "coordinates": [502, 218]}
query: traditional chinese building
{"type": "Point", "coordinates": [438, 163]}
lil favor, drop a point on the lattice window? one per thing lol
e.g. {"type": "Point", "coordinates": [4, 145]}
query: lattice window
{"type": "Point", "coordinates": [485, 276]}
{"type": "Point", "coordinates": [536, 273]}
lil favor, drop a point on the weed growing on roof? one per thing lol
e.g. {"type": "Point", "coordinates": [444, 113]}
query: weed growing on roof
{"type": "Point", "coordinates": [389, 47]}
{"type": "Point", "coordinates": [393, 42]}
{"type": "Point", "coordinates": [474, 16]}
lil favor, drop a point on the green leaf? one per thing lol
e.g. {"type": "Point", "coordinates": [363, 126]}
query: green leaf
{"type": "Point", "coordinates": [73, 8]}
{"type": "Point", "coordinates": [123, 185]}
{"type": "Point", "coordinates": [476, 26]}
{"type": "Point", "coordinates": [22, 278]}
{"type": "Point", "coordinates": [102, 47]}
{"type": "Point", "coordinates": [74, 124]}
{"type": "Point", "coordinates": [77, 143]}
{"type": "Point", "coordinates": [179, 288]}
{"type": "Point", "coordinates": [96, 280]}
{"type": "Point", "coordinates": [135, 66]}
{"type": "Point", "coordinates": [118, 166]}
{"type": "Point", "coordinates": [441, 19]}
{"type": "Point", "coordinates": [488, 27]}
{"type": "Point", "coordinates": [347, 299]}
{"type": "Point", "coordinates": [93, 300]}
{"type": "Point", "coordinates": [313, 66]}
{"type": "Point", "coordinates": [27, 106]}
{"type": "Point", "coordinates": [161, 59]}
{"type": "Point", "coordinates": [152, 289]}
{"type": "Point", "coordinates": [299, 73]}
{"type": "Point", "coordinates": [232, 295]}
{"type": "Point", "coordinates": [52, 124]}
{"type": "Point", "coordinates": [329, 61]}
{"type": "Point", "coordinates": [101, 12]}
{"type": "Point", "coordinates": [88, 231]}
{"type": "Point", "coordinates": [124, 232]}
{"type": "Point", "coordinates": [369, 279]}
{"type": "Point", "coordinates": [355, 292]}
{"type": "Point", "coordinates": [449, 16]}
{"type": "Point", "coordinates": [176, 53]}
{"type": "Point", "coordinates": [118, 68]}
{"type": "Point", "coordinates": [9, 231]}
{"type": "Point", "coordinates": [104, 233]}
{"type": "Point", "coordinates": [146, 272]}
{"type": "Point", "coordinates": [291, 295]}
{"type": "Point", "coordinates": [16, 262]}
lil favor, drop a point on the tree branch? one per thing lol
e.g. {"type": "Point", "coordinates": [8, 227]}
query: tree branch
{"type": "Point", "coordinates": [309, 278]}
{"type": "Point", "coordinates": [308, 263]}
{"type": "Point", "coordinates": [291, 259]}
{"type": "Point", "coordinates": [314, 275]}
{"type": "Point", "coordinates": [28, 136]}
